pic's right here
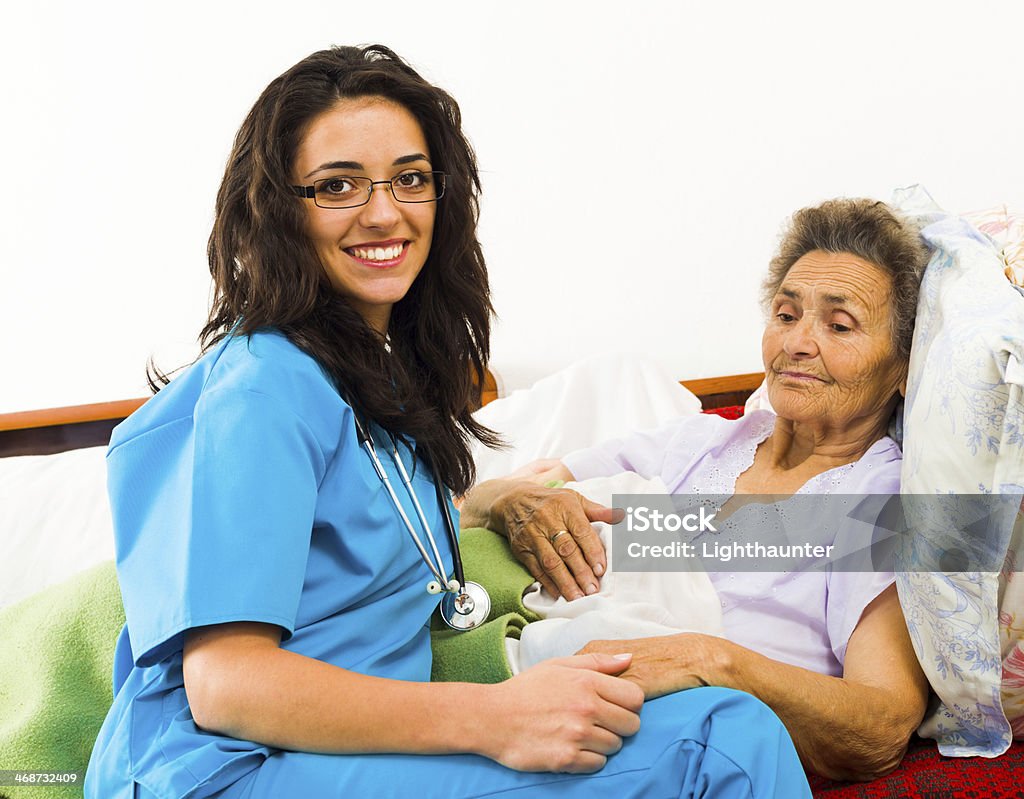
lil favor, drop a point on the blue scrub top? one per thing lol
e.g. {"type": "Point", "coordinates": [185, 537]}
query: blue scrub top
{"type": "Point", "coordinates": [240, 493]}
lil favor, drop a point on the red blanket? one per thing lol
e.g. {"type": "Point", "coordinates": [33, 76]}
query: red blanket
{"type": "Point", "coordinates": [925, 773]}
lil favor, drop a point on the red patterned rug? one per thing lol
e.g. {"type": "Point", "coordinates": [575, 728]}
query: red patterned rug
{"type": "Point", "coordinates": [926, 774]}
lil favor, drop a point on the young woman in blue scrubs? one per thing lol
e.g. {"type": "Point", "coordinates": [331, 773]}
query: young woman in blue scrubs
{"type": "Point", "coordinates": [277, 638]}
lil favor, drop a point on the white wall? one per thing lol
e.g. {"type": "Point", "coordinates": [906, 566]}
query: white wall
{"type": "Point", "coordinates": [718, 119]}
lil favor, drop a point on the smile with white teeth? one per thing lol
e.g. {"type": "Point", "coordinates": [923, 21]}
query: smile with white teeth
{"type": "Point", "coordinates": [376, 253]}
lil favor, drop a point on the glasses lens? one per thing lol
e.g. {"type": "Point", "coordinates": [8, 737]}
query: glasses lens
{"type": "Point", "coordinates": [341, 191]}
{"type": "Point", "coordinates": [418, 187]}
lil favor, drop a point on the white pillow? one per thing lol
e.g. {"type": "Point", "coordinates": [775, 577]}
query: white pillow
{"type": "Point", "coordinates": [758, 401]}
{"type": "Point", "coordinates": [596, 399]}
{"type": "Point", "coordinates": [54, 517]}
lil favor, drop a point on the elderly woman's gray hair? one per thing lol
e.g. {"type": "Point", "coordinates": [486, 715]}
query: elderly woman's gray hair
{"type": "Point", "coordinates": [869, 229]}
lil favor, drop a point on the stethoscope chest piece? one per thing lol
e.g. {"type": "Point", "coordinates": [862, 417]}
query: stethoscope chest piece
{"type": "Point", "coordinates": [467, 608]}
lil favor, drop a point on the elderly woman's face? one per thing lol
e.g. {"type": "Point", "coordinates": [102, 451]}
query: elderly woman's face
{"type": "Point", "coordinates": [828, 349]}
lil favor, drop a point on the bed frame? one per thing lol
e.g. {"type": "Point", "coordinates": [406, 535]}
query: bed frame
{"type": "Point", "coordinates": [52, 430]}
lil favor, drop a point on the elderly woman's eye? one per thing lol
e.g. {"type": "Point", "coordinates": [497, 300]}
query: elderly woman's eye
{"type": "Point", "coordinates": [838, 328]}
{"type": "Point", "coordinates": [782, 316]}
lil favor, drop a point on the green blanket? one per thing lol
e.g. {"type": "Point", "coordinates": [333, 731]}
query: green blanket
{"type": "Point", "coordinates": [479, 655]}
{"type": "Point", "coordinates": [55, 672]}
{"type": "Point", "coordinates": [58, 652]}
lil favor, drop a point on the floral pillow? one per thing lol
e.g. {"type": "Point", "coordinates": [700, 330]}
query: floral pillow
{"type": "Point", "coordinates": [1006, 229]}
{"type": "Point", "coordinates": [964, 434]}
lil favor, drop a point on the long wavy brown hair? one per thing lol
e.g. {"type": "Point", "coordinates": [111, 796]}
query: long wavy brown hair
{"type": "Point", "coordinates": [266, 272]}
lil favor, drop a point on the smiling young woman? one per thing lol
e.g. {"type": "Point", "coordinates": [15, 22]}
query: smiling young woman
{"type": "Point", "coordinates": [374, 251]}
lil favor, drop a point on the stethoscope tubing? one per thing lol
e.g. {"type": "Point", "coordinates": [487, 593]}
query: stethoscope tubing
{"type": "Point", "coordinates": [423, 518]}
{"type": "Point", "coordinates": [442, 501]}
{"type": "Point", "coordinates": [379, 468]}
{"type": "Point", "coordinates": [436, 566]}
{"type": "Point", "coordinates": [465, 605]}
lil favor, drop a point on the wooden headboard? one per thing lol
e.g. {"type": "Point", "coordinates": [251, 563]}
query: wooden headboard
{"type": "Point", "coordinates": [45, 432]}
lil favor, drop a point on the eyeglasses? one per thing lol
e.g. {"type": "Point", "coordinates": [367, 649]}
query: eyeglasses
{"type": "Point", "coordinates": [346, 191]}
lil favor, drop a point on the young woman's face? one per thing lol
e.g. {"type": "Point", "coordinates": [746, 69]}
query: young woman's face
{"type": "Point", "coordinates": [371, 253]}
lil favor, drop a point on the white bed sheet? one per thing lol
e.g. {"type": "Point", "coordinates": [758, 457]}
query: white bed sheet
{"type": "Point", "coordinates": [54, 519]}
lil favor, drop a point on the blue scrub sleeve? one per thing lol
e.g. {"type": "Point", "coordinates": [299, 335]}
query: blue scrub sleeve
{"type": "Point", "coordinates": [214, 514]}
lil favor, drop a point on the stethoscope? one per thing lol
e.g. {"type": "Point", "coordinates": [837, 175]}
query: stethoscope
{"type": "Point", "coordinates": [465, 605]}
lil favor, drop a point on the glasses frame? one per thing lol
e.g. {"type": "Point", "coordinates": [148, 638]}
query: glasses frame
{"type": "Point", "coordinates": [309, 192]}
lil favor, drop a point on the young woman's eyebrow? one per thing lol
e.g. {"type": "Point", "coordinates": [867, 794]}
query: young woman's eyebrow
{"type": "Point", "coordinates": [336, 165]}
{"type": "Point", "coordinates": [408, 159]}
{"type": "Point", "coordinates": [405, 159]}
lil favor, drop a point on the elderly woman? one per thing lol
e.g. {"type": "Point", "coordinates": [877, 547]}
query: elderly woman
{"type": "Point", "coordinates": [830, 652]}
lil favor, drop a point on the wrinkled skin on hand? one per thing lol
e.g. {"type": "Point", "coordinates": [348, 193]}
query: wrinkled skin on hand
{"type": "Point", "coordinates": [668, 663]}
{"type": "Point", "coordinates": [572, 564]}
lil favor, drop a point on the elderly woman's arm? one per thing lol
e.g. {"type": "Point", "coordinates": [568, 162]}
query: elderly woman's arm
{"type": "Point", "coordinates": [854, 727]}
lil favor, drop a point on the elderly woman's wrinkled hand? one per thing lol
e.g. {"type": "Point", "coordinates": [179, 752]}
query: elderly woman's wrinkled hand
{"type": "Point", "coordinates": [668, 663]}
{"type": "Point", "coordinates": [550, 533]}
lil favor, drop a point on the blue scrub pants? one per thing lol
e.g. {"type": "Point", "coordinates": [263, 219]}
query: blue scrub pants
{"type": "Point", "coordinates": [705, 742]}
